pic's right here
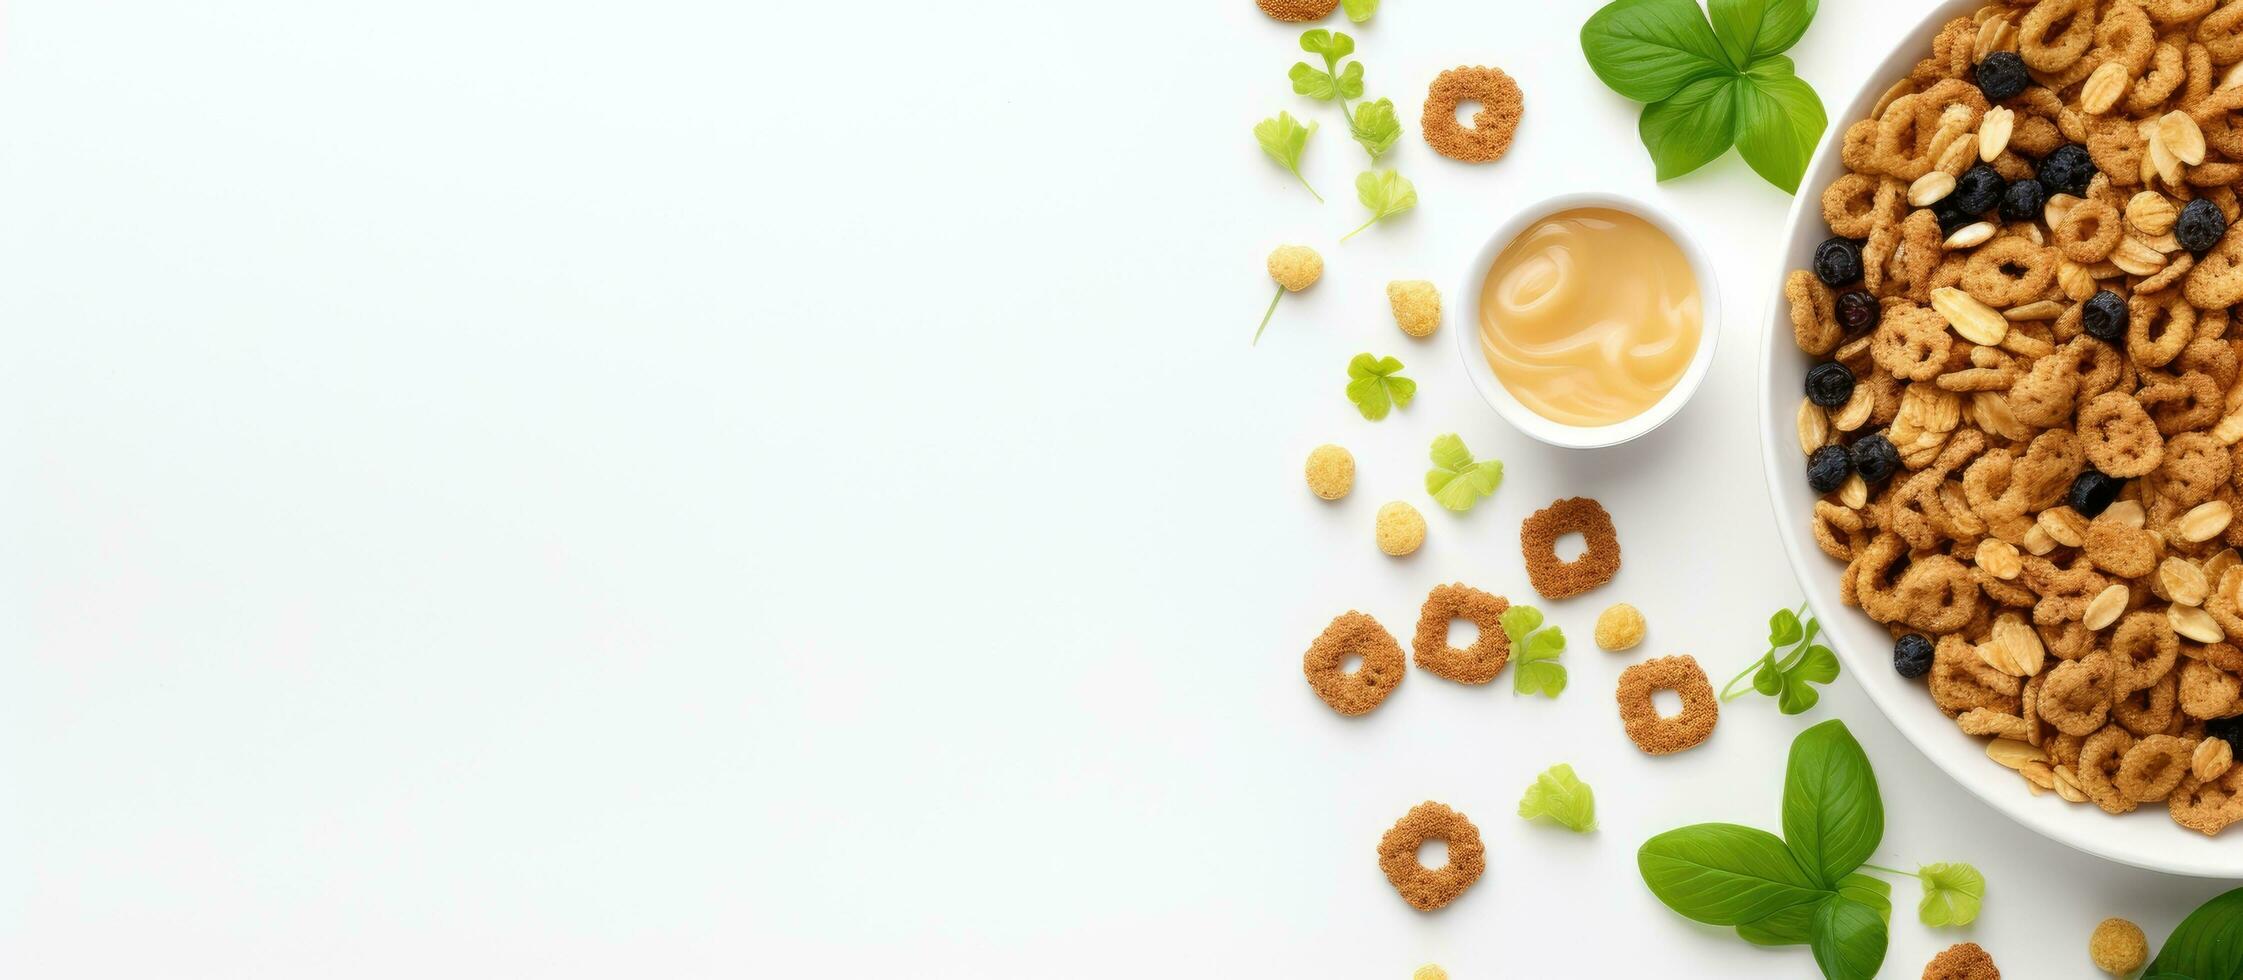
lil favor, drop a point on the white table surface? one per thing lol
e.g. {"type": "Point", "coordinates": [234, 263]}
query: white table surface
{"type": "Point", "coordinates": [694, 489]}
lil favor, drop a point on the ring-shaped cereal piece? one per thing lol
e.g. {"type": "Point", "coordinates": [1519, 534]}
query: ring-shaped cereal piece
{"type": "Point", "coordinates": [2099, 760]}
{"type": "Point", "coordinates": [2123, 551]}
{"type": "Point", "coordinates": [1849, 205]}
{"type": "Point", "coordinates": [1814, 316]}
{"type": "Point", "coordinates": [2009, 271]}
{"type": "Point", "coordinates": [2089, 231]}
{"type": "Point", "coordinates": [2119, 436]}
{"type": "Point", "coordinates": [2151, 710]}
{"type": "Point", "coordinates": [2176, 11]}
{"type": "Point", "coordinates": [1960, 680]}
{"type": "Point", "coordinates": [1296, 11]}
{"type": "Point", "coordinates": [2207, 692]}
{"type": "Point", "coordinates": [2216, 282]}
{"type": "Point", "coordinates": [1426, 888]}
{"type": "Point", "coordinates": [1538, 538]}
{"type": "Point", "coordinates": [2077, 696]}
{"type": "Point", "coordinates": [1665, 736]}
{"type": "Point", "coordinates": [2153, 767]}
{"type": "Point", "coordinates": [2208, 807]}
{"type": "Point", "coordinates": [2055, 33]}
{"type": "Point", "coordinates": [2145, 648]}
{"type": "Point", "coordinates": [1353, 634]}
{"type": "Point", "coordinates": [1476, 664]}
{"type": "Point", "coordinates": [2157, 328]}
{"type": "Point", "coordinates": [1911, 342]}
{"type": "Point", "coordinates": [2181, 407]}
{"type": "Point", "coordinates": [1489, 136]}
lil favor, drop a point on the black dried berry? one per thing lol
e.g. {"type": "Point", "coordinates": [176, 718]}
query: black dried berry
{"type": "Point", "coordinates": [1874, 458]}
{"type": "Point", "coordinates": [2002, 76]}
{"type": "Point", "coordinates": [1951, 217]}
{"type": "Point", "coordinates": [1858, 311]}
{"type": "Point", "coordinates": [1912, 656]}
{"type": "Point", "coordinates": [1838, 262]}
{"type": "Point", "coordinates": [2066, 170]}
{"type": "Point", "coordinates": [2104, 317]}
{"type": "Point", "coordinates": [1827, 468]}
{"type": "Point", "coordinates": [1978, 191]}
{"type": "Point", "coordinates": [2229, 730]}
{"type": "Point", "coordinates": [1829, 384]}
{"type": "Point", "coordinates": [2200, 226]}
{"type": "Point", "coordinates": [2092, 492]}
{"type": "Point", "coordinates": [2023, 200]}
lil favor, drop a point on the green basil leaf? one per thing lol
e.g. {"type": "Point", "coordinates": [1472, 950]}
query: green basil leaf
{"type": "Point", "coordinates": [1848, 940]}
{"type": "Point", "coordinates": [1784, 927]}
{"type": "Point", "coordinates": [1723, 874]}
{"type": "Point", "coordinates": [1778, 120]}
{"type": "Point", "coordinates": [1877, 893]}
{"type": "Point", "coordinates": [2208, 945]}
{"type": "Point", "coordinates": [1783, 628]}
{"type": "Point", "coordinates": [1312, 83]}
{"type": "Point", "coordinates": [1832, 815]}
{"type": "Point", "coordinates": [1753, 29]}
{"type": "Point", "coordinates": [1689, 129]}
{"type": "Point", "coordinates": [1647, 50]}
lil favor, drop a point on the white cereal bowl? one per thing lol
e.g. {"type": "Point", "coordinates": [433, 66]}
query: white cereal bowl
{"type": "Point", "coordinates": [1467, 328]}
{"type": "Point", "coordinates": [2146, 838]}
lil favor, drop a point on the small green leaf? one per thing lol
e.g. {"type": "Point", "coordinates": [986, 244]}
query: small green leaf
{"type": "Point", "coordinates": [1351, 81]}
{"type": "Point", "coordinates": [1783, 628]}
{"type": "Point", "coordinates": [1333, 45]}
{"type": "Point", "coordinates": [1753, 29]}
{"type": "Point", "coordinates": [1561, 797]}
{"type": "Point", "coordinates": [1952, 894]}
{"type": "Point", "coordinates": [1647, 50]}
{"type": "Point", "coordinates": [1767, 680]}
{"type": "Point", "coordinates": [1310, 82]}
{"type": "Point", "coordinates": [1386, 193]}
{"type": "Point", "coordinates": [1375, 126]}
{"type": "Point", "coordinates": [1848, 940]}
{"type": "Point", "coordinates": [1518, 621]}
{"type": "Point", "coordinates": [1359, 10]}
{"type": "Point", "coordinates": [1283, 138]}
{"type": "Point", "coordinates": [1796, 697]}
{"type": "Point", "coordinates": [1375, 386]}
{"type": "Point", "coordinates": [1818, 664]}
{"type": "Point", "coordinates": [1723, 874]}
{"type": "Point", "coordinates": [1456, 481]}
{"type": "Point", "coordinates": [1778, 121]}
{"type": "Point", "coordinates": [1535, 667]}
{"type": "Point", "coordinates": [1833, 816]}
{"type": "Point", "coordinates": [1691, 128]}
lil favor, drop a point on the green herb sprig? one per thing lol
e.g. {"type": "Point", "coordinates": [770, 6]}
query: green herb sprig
{"type": "Point", "coordinates": [1283, 138]}
{"type": "Point", "coordinates": [1534, 652]}
{"type": "Point", "coordinates": [1386, 194]}
{"type": "Point", "coordinates": [1788, 679]}
{"type": "Point", "coordinates": [1376, 385]}
{"type": "Point", "coordinates": [1373, 124]}
{"type": "Point", "coordinates": [1457, 481]}
{"type": "Point", "coordinates": [1808, 886]}
{"type": "Point", "coordinates": [1707, 88]}
{"type": "Point", "coordinates": [1562, 798]}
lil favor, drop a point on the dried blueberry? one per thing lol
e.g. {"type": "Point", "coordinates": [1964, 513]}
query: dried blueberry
{"type": "Point", "coordinates": [1874, 458]}
{"type": "Point", "coordinates": [2066, 170]}
{"type": "Point", "coordinates": [1858, 311]}
{"type": "Point", "coordinates": [2023, 200]}
{"type": "Point", "coordinates": [1838, 261]}
{"type": "Point", "coordinates": [1951, 217]}
{"type": "Point", "coordinates": [1829, 384]}
{"type": "Point", "coordinates": [2229, 730]}
{"type": "Point", "coordinates": [2092, 492]}
{"type": "Point", "coordinates": [2104, 317]}
{"type": "Point", "coordinates": [1978, 190]}
{"type": "Point", "coordinates": [2200, 226]}
{"type": "Point", "coordinates": [1827, 468]}
{"type": "Point", "coordinates": [2002, 76]}
{"type": "Point", "coordinates": [1912, 655]}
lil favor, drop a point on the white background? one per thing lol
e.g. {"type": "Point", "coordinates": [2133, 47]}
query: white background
{"type": "Point", "coordinates": [702, 489]}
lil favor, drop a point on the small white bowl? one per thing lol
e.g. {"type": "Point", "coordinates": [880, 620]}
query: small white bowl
{"type": "Point", "coordinates": [1524, 419]}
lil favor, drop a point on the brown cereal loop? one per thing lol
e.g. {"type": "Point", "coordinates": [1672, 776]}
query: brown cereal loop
{"type": "Point", "coordinates": [1489, 136]}
{"type": "Point", "coordinates": [2217, 280]}
{"type": "Point", "coordinates": [1814, 319]}
{"type": "Point", "coordinates": [2055, 33]}
{"type": "Point", "coordinates": [2089, 231]}
{"type": "Point", "coordinates": [1353, 633]}
{"type": "Point", "coordinates": [2009, 271]}
{"type": "Point", "coordinates": [2119, 437]}
{"type": "Point", "coordinates": [1297, 10]}
{"type": "Point", "coordinates": [1849, 205]}
{"type": "Point", "coordinates": [2208, 807]}
{"type": "Point", "coordinates": [2100, 758]}
{"type": "Point", "coordinates": [2153, 767]}
{"type": "Point", "coordinates": [1476, 664]}
{"type": "Point", "coordinates": [1426, 888]}
{"type": "Point", "coordinates": [1538, 538]}
{"type": "Point", "coordinates": [1665, 736]}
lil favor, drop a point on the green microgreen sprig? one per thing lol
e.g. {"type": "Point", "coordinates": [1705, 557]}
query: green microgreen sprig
{"type": "Point", "coordinates": [1790, 678]}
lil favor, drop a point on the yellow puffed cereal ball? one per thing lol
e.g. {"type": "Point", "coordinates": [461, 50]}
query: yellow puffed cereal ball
{"type": "Point", "coordinates": [1400, 529]}
{"type": "Point", "coordinates": [1430, 972]}
{"type": "Point", "coordinates": [1417, 306]}
{"type": "Point", "coordinates": [2118, 947]}
{"type": "Point", "coordinates": [1619, 627]}
{"type": "Point", "coordinates": [1331, 471]}
{"type": "Point", "coordinates": [1295, 267]}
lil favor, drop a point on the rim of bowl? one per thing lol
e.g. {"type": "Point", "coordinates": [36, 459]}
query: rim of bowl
{"type": "Point", "coordinates": [1526, 419]}
{"type": "Point", "coordinates": [2130, 839]}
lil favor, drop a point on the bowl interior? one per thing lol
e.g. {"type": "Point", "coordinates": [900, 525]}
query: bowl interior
{"type": "Point", "coordinates": [2145, 838]}
{"type": "Point", "coordinates": [1526, 419]}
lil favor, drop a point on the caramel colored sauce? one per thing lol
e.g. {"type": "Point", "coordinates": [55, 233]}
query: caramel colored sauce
{"type": "Point", "coordinates": [1589, 316]}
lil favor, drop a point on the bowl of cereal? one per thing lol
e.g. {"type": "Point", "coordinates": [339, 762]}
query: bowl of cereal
{"type": "Point", "coordinates": [1994, 416]}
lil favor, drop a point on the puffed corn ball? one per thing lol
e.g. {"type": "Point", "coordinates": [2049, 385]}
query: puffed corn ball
{"type": "Point", "coordinates": [1430, 972]}
{"type": "Point", "coordinates": [2118, 947]}
{"type": "Point", "coordinates": [1619, 627]}
{"type": "Point", "coordinates": [1417, 306]}
{"type": "Point", "coordinates": [1400, 528]}
{"type": "Point", "coordinates": [1295, 267]}
{"type": "Point", "coordinates": [1331, 471]}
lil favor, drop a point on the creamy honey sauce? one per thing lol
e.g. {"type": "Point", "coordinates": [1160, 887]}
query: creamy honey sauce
{"type": "Point", "coordinates": [1589, 316]}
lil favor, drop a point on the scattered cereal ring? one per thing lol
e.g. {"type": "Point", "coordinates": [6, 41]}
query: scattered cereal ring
{"type": "Point", "coordinates": [2119, 436]}
{"type": "Point", "coordinates": [1426, 888]}
{"type": "Point", "coordinates": [2118, 947]}
{"type": "Point", "coordinates": [1401, 529]}
{"type": "Point", "coordinates": [1619, 627]}
{"type": "Point", "coordinates": [1665, 736]}
{"type": "Point", "coordinates": [2077, 695]}
{"type": "Point", "coordinates": [1353, 634]}
{"type": "Point", "coordinates": [1417, 306]}
{"type": "Point", "coordinates": [1477, 664]}
{"type": "Point", "coordinates": [1492, 127]}
{"type": "Point", "coordinates": [1965, 961]}
{"type": "Point", "coordinates": [1297, 10]}
{"type": "Point", "coordinates": [2100, 759]}
{"type": "Point", "coordinates": [2152, 767]}
{"type": "Point", "coordinates": [1538, 538]}
{"type": "Point", "coordinates": [1331, 471]}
